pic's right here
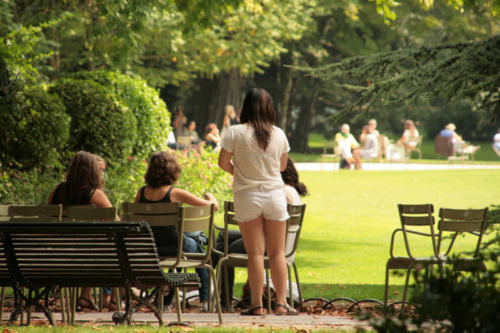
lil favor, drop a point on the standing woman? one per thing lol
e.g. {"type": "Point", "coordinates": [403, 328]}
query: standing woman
{"type": "Point", "coordinates": [179, 122]}
{"type": "Point", "coordinates": [230, 119]}
{"type": "Point", "coordinates": [259, 152]}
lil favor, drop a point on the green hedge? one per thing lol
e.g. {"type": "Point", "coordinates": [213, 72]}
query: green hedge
{"type": "Point", "coordinates": [100, 122]}
{"type": "Point", "coordinates": [34, 128]}
{"type": "Point", "coordinates": [152, 116]}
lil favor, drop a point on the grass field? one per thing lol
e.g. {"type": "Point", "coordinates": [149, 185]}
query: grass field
{"type": "Point", "coordinates": [484, 154]}
{"type": "Point", "coordinates": [350, 217]}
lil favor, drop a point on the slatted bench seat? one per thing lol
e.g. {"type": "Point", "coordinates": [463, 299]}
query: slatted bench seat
{"type": "Point", "coordinates": [43, 255]}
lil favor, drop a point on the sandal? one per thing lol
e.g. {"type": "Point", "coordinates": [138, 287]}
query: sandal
{"type": "Point", "coordinates": [90, 307]}
{"type": "Point", "coordinates": [111, 306]}
{"type": "Point", "coordinates": [249, 312]}
{"type": "Point", "coordinates": [289, 310]}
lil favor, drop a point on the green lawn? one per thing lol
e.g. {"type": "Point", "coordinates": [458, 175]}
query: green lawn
{"type": "Point", "coordinates": [351, 215]}
{"type": "Point", "coordinates": [484, 154]}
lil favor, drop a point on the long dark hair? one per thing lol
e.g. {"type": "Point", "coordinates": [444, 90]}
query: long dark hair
{"type": "Point", "coordinates": [291, 177]}
{"type": "Point", "coordinates": [83, 172]}
{"type": "Point", "coordinates": [258, 111]}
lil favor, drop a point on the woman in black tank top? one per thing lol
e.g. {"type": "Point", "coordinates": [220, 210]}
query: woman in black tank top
{"type": "Point", "coordinates": [163, 171]}
{"type": "Point", "coordinates": [84, 186]}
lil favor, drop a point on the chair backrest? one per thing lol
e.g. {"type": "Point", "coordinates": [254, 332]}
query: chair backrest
{"type": "Point", "coordinates": [329, 145]}
{"type": "Point", "coordinates": [414, 216]}
{"type": "Point", "coordinates": [160, 214]}
{"type": "Point", "coordinates": [35, 213]}
{"type": "Point", "coordinates": [4, 213]}
{"type": "Point", "coordinates": [417, 140]}
{"type": "Point", "coordinates": [294, 225]}
{"type": "Point", "coordinates": [192, 219]}
{"type": "Point", "coordinates": [184, 141]}
{"type": "Point", "coordinates": [462, 220]}
{"type": "Point", "coordinates": [458, 148]}
{"type": "Point", "coordinates": [65, 211]}
{"type": "Point", "coordinates": [443, 146]}
{"type": "Point", "coordinates": [90, 213]}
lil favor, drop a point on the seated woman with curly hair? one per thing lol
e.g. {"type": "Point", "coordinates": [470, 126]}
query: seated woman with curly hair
{"type": "Point", "coordinates": [163, 171]}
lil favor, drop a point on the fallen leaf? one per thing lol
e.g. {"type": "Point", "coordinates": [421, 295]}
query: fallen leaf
{"type": "Point", "coordinates": [312, 273]}
{"type": "Point", "coordinates": [342, 286]}
{"type": "Point", "coordinates": [262, 325]}
{"type": "Point", "coordinates": [316, 317]}
{"type": "Point", "coordinates": [8, 331]}
{"type": "Point", "coordinates": [187, 329]}
{"type": "Point", "coordinates": [396, 292]}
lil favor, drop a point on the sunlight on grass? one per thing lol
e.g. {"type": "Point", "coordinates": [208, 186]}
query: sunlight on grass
{"type": "Point", "coordinates": [350, 217]}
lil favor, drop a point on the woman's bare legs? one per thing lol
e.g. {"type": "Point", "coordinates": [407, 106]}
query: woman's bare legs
{"type": "Point", "coordinates": [274, 232]}
{"type": "Point", "coordinates": [253, 238]}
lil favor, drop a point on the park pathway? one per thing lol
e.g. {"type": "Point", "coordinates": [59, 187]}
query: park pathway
{"type": "Point", "coordinates": [330, 166]}
{"type": "Point", "coordinates": [211, 320]}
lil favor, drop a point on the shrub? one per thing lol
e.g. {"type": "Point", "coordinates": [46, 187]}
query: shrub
{"type": "Point", "coordinates": [28, 187]}
{"type": "Point", "coordinates": [34, 128]}
{"type": "Point", "coordinates": [100, 123]}
{"type": "Point", "coordinates": [153, 118]}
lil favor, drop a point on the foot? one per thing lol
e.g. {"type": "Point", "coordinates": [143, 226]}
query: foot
{"type": "Point", "coordinates": [254, 311]}
{"type": "Point", "coordinates": [204, 307]}
{"type": "Point", "coordinates": [86, 305]}
{"type": "Point", "coordinates": [167, 308]}
{"type": "Point", "coordinates": [111, 306]}
{"type": "Point", "coordinates": [285, 309]}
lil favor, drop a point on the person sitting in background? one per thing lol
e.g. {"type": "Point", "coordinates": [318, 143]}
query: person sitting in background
{"type": "Point", "coordinates": [449, 131]}
{"type": "Point", "coordinates": [362, 136]}
{"type": "Point", "coordinates": [84, 186]}
{"type": "Point", "coordinates": [171, 142]}
{"type": "Point", "coordinates": [410, 131]}
{"type": "Point", "coordinates": [163, 171]}
{"type": "Point", "coordinates": [195, 138]}
{"type": "Point", "coordinates": [294, 189]}
{"type": "Point", "coordinates": [370, 146]}
{"type": "Point", "coordinates": [346, 143]}
{"type": "Point", "coordinates": [372, 123]}
{"type": "Point", "coordinates": [496, 142]}
{"type": "Point", "coordinates": [212, 137]}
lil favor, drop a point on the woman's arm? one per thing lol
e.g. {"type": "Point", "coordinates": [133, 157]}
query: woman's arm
{"type": "Point", "coordinates": [225, 161]}
{"type": "Point", "coordinates": [51, 195]}
{"type": "Point", "coordinates": [138, 196]}
{"type": "Point", "coordinates": [179, 195]}
{"type": "Point", "coordinates": [226, 121]}
{"type": "Point", "coordinates": [283, 161]}
{"type": "Point", "coordinates": [101, 201]}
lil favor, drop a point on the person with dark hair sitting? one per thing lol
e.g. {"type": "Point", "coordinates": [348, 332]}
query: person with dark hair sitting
{"type": "Point", "coordinates": [294, 189]}
{"type": "Point", "coordinates": [212, 137]}
{"type": "Point", "coordinates": [84, 185]}
{"type": "Point", "coordinates": [163, 171]}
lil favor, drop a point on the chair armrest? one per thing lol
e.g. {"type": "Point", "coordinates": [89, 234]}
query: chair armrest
{"type": "Point", "coordinates": [392, 241]}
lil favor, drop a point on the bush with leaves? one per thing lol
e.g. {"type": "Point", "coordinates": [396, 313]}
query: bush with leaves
{"type": "Point", "coordinates": [152, 116]}
{"type": "Point", "coordinates": [100, 122]}
{"type": "Point", "coordinates": [34, 128]}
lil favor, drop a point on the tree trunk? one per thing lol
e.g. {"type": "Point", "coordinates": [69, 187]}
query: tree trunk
{"type": "Point", "coordinates": [287, 90]}
{"type": "Point", "coordinates": [215, 94]}
{"type": "Point", "coordinates": [300, 138]}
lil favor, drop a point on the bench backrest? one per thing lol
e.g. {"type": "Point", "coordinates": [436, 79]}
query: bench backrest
{"type": "Point", "coordinates": [86, 254]}
{"type": "Point", "coordinates": [35, 213]}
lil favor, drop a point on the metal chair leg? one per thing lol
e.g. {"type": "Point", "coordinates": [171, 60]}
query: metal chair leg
{"type": "Point", "coordinates": [268, 289]}
{"type": "Point", "coordinates": [298, 286]}
{"type": "Point", "coordinates": [216, 295]}
{"type": "Point", "coordinates": [2, 303]}
{"type": "Point", "coordinates": [405, 291]}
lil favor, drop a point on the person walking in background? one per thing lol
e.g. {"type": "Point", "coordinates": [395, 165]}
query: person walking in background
{"type": "Point", "coordinates": [179, 121]}
{"type": "Point", "coordinates": [259, 151]}
{"type": "Point", "coordinates": [84, 186]}
{"type": "Point", "coordinates": [230, 119]}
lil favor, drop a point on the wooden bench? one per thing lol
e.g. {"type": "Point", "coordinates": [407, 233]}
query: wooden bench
{"type": "Point", "coordinates": [43, 255]}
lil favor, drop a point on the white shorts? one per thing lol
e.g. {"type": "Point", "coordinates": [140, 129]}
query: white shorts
{"type": "Point", "coordinates": [257, 202]}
